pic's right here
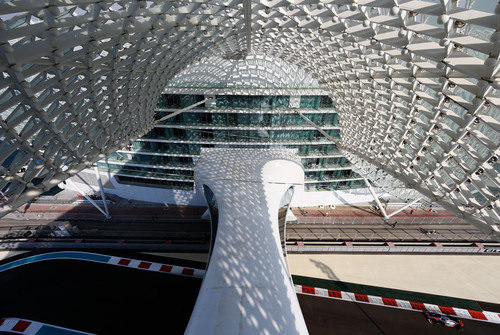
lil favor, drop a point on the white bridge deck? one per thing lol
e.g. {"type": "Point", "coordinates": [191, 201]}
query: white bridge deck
{"type": "Point", "coordinates": [247, 287]}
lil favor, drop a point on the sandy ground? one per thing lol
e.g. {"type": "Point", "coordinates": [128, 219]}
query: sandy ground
{"type": "Point", "coordinates": [469, 277]}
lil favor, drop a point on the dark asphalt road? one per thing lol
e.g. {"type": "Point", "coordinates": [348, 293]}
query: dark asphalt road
{"type": "Point", "coordinates": [104, 299]}
{"type": "Point", "coordinates": [98, 298]}
{"type": "Point", "coordinates": [329, 316]}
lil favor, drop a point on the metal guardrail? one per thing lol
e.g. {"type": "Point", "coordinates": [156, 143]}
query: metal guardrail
{"type": "Point", "coordinates": [375, 220]}
{"type": "Point", "coordinates": [17, 245]}
{"type": "Point", "coordinates": [391, 249]}
{"type": "Point", "coordinates": [403, 233]}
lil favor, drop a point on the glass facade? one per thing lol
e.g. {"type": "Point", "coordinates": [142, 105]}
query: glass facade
{"type": "Point", "coordinates": [252, 101]}
{"type": "Point", "coordinates": [247, 119]}
{"type": "Point", "coordinates": [316, 101]}
{"type": "Point", "coordinates": [165, 157]}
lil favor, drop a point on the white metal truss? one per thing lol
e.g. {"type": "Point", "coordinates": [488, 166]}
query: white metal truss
{"type": "Point", "coordinates": [415, 82]}
{"type": "Point", "coordinates": [254, 75]}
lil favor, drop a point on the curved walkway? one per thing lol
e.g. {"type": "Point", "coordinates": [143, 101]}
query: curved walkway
{"type": "Point", "coordinates": [105, 259]}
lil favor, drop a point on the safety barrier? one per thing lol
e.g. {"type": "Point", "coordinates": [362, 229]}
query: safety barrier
{"type": "Point", "coordinates": [398, 303]}
{"type": "Point", "coordinates": [304, 220]}
{"type": "Point", "coordinates": [157, 267]}
{"type": "Point", "coordinates": [389, 249]}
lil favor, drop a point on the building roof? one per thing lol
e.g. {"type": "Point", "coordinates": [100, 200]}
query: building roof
{"type": "Point", "coordinates": [415, 82]}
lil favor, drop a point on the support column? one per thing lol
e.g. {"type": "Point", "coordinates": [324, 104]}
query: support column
{"type": "Point", "coordinates": [247, 13]}
{"type": "Point", "coordinates": [69, 181]}
{"type": "Point", "coordinates": [247, 288]}
{"type": "Point", "coordinates": [374, 195]}
{"type": "Point", "coordinates": [101, 189]}
{"type": "Point", "coordinates": [404, 207]}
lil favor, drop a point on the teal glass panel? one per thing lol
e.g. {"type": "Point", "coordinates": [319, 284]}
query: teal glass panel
{"type": "Point", "coordinates": [325, 102]}
{"type": "Point", "coordinates": [179, 100]}
{"type": "Point", "coordinates": [316, 101]}
{"type": "Point", "coordinates": [309, 101]}
{"type": "Point", "coordinates": [219, 119]}
{"type": "Point", "coordinates": [190, 118]}
{"type": "Point", "coordinates": [190, 99]}
{"type": "Point", "coordinates": [254, 101]}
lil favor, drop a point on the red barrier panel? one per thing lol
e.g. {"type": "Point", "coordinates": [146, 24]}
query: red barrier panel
{"type": "Point", "coordinates": [389, 302]}
{"type": "Point", "coordinates": [418, 305]}
{"type": "Point", "coordinates": [361, 297]}
{"type": "Point", "coordinates": [335, 294]}
{"type": "Point", "coordinates": [308, 290]}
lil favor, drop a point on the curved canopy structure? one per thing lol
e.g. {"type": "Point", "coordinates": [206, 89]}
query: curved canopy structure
{"type": "Point", "coordinates": [256, 73]}
{"type": "Point", "coordinates": [415, 82]}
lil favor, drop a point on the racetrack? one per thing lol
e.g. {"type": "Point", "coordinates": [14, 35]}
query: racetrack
{"type": "Point", "coordinates": [329, 316]}
{"type": "Point", "coordinates": [105, 299]}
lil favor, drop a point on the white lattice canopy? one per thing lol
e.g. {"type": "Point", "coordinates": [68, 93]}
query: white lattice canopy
{"type": "Point", "coordinates": [415, 82]}
{"type": "Point", "coordinates": [256, 74]}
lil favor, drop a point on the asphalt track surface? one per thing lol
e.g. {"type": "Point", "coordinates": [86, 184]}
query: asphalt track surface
{"type": "Point", "coordinates": [330, 316]}
{"type": "Point", "coordinates": [104, 299]}
{"type": "Point", "coordinates": [99, 298]}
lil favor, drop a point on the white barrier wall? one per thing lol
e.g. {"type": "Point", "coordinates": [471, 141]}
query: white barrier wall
{"type": "Point", "coordinates": [301, 198]}
{"type": "Point", "coordinates": [86, 181]}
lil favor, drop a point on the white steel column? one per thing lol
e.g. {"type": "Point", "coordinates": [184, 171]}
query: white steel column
{"type": "Point", "coordinates": [247, 13]}
{"type": "Point", "coordinates": [247, 288]}
{"type": "Point", "coordinates": [101, 189]}
{"type": "Point", "coordinates": [404, 207]}
{"type": "Point", "coordinates": [374, 195]}
{"type": "Point", "coordinates": [69, 181]}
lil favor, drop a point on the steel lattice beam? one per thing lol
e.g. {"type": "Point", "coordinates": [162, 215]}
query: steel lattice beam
{"type": "Point", "coordinates": [415, 82]}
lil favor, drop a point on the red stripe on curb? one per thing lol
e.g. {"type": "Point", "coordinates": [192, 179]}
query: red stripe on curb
{"type": "Point", "coordinates": [124, 261]}
{"type": "Point", "coordinates": [477, 315]}
{"type": "Point", "coordinates": [335, 294]}
{"type": "Point", "coordinates": [447, 310]}
{"type": "Point", "coordinates": [1, 322]}
{"type": "Point", "coordinates": [166, 268]}
{"type": "Point", "coordinates": [361, 297]}
{"type": "Point", "coordinates": [308, 290]}
{"type": "Point", "coordinates": [187, 271]}
{"type": "Point", "coordinates": [389, 302]}
{"type": "Point", "coordinates": [144, 265]}
{"type": "Point", "coordinates": [418, 305]}
{"type": "Point", "coordinates": [21, 326]}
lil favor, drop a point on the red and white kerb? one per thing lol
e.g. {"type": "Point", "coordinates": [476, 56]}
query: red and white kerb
{"type": "Point", "coordinates": [20, 326]}
{"type": "Point", "coordinates": [29, 327]}
{"type": "Point", "coordinates": [157, 267]}
{"type": "Point", "coordinates": [397, 303]}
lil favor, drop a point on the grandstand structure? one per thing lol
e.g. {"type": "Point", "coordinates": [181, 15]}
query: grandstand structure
{"type": "Point", "coordinates": [415, 84]}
